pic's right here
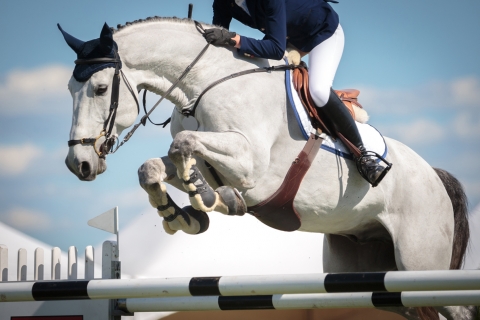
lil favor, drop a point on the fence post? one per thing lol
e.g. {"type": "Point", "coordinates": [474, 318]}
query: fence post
{"type": "Point", "coordinates": [39, 268]}
{"type": "Point", "coordinates": [3, 263]}
{"type": "Point", "coordinates": [110, 263]}
{"type": "Point", "coordinates": [56, 255]}
{"type": "Point", "coordinates": [89, 263]}
{"type": "Point", "coordinates": [72, 263]}
{"type": "Point", "coordinates": [22, 265]}
{"type": "Point", "coordinates": [111, 270]}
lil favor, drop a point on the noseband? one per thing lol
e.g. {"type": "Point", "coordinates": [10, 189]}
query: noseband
{"type": "Point", "coordinates": [107, 146]}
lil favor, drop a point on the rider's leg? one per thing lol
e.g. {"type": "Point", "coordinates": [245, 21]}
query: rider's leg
{"type": "Point", "coordinates": [323, 63]}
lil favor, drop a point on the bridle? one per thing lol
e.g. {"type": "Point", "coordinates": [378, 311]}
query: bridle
{"type": "Point", "coordinates": [108, 146]}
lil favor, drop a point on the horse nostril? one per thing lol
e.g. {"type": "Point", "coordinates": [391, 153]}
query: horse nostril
{"type": "Point", "coordinates": [69, 166]}
{"type": "Point", "coordinates": [84, 169]}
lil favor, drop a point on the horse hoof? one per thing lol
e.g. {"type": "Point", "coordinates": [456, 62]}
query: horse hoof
{"type": "Point", "coordinates": [200, 216]}
{"type": "Point", "coordinates": [233, 199]}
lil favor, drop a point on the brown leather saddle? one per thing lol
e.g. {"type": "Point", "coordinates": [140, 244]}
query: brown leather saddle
{"type": "Point", "coordinates": [278, 210]}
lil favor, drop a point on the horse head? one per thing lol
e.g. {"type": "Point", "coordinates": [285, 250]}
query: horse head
{"type": "Point", "coordinates": [96, 88]}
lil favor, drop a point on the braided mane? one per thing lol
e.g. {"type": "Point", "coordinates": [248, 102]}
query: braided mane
{"type": "Point", "coordinates": [121, 27]}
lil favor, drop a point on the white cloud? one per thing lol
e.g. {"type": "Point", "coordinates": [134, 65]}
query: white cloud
{"type": "Point", "coordinates": [459, 94]}
{"type": "Point", "coordinates": [467, 125]}
{"type": "Point", "coordinates": [15, 160]}
{"type": "Point", "coordinates": [129, 198]}
{"type": "Point", "coordinates": [41, 90]}
{"type": "Point", "coordinates": [466, 91]}
{"type": "Point", "coordinates": [27, 220]}
{"type": "Point", "coordinates": [418, 132]}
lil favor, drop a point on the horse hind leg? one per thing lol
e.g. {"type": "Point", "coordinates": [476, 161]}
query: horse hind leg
{"type": "Point", "coordinates": [340, 254]}
{"type": "Point", "coordinates": [429, 235]}
{"type": "Point", "coordinates": [151, 176]}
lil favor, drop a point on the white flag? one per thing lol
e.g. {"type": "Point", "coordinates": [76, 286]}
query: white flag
{"type": "Point", "coordinates": [107, 221]}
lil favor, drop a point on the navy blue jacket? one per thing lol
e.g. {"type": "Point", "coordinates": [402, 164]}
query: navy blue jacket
{"type": "Point", "coordinates": [305, 23]}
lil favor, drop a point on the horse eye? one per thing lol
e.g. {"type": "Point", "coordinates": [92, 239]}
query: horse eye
{"type": "Point", "coordinates": [101, 89]}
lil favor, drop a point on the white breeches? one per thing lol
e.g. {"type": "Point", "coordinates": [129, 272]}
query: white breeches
{"type": "Point", "coordinates": [323, 62]}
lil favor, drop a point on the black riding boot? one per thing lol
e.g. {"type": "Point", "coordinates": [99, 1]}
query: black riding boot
{"type": "Point", "coordinates": [343, 122]}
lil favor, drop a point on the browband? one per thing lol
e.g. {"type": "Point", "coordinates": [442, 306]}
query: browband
{"type": "Point", "coordinates": [96, 60]}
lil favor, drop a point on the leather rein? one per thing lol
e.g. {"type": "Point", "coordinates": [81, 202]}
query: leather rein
{"type": "Point", "coordinates": [108, 146]}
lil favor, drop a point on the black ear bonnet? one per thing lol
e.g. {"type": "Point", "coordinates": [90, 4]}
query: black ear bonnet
{"type": "Point", "coordinates": [103, 47]}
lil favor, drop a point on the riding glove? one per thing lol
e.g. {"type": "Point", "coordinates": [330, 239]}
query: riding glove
{"type": "Point", "coordinates": [219, 36]}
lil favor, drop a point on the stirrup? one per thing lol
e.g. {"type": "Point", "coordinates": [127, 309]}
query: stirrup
{"type": "Point", "coordinates": [368, 155]}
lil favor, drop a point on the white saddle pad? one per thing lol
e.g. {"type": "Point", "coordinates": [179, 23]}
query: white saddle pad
{"type": "Point", "coordinates": [372, 139]}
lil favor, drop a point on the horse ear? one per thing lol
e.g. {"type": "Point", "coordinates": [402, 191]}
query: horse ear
{"type": "Point", "coordinates": [106, 39]}
{"type": "Point", "coordinates": [74, 43]}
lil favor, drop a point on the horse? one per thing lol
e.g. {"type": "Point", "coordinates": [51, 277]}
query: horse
{"type": "Point", "coordinates": [244, 140]}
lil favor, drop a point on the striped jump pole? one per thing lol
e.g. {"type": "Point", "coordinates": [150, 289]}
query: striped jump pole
{"type": "Point", "coordinates": [394, 281]}
{"type": "Point", "coordinates": [304, 301]}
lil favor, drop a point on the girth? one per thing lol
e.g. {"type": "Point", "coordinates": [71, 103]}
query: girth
{"type": "Point", "coordinates": [278, 210]}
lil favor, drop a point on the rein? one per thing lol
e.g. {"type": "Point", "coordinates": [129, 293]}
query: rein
{"type": "Point", "coordinates": [191, 111]}
{"type": "Point", "coordinates": [173, 86]}
{"type": "Point", "coordinates": [108, 146]}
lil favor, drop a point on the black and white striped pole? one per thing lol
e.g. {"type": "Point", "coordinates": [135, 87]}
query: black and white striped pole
{"type": "Point", "coordinates": [304, 301]}
{"type": "Point", "coordinates": [393, 282]}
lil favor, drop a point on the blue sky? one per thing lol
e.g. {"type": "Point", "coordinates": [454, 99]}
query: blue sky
{"type": "Point", "coordinates": [415, 62]}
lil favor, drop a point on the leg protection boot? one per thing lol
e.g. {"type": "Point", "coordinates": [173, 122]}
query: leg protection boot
{"type": "Point", "coordinates": [233, 199]}
{"type": "Point", "coordinates": [367, 165]}
{"type": "Point", "coordinates": [202, 196]}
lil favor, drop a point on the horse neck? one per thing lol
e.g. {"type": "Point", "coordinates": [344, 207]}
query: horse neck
{"type": "Point", "coordinates": [158, 53]}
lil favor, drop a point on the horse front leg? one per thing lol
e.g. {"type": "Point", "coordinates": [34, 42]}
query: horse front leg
{"type": "Point", "coordinates": [152, 175]}
{"type": "Point", "coordinates": [229, 153]}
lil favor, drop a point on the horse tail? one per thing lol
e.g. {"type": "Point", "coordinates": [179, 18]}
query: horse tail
{"type": "Point", "coordinates": [461, 232]}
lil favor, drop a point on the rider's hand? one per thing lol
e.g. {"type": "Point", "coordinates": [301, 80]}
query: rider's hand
{"type": "Point", "coordinates": [219, 36]}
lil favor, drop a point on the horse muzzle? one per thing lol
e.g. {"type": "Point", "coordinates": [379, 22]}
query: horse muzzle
{"type": "Point", "coordinates": [85, 168]}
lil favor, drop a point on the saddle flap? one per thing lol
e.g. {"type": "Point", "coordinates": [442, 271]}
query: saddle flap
{"type": "Point", "coordinates": [300, 83]}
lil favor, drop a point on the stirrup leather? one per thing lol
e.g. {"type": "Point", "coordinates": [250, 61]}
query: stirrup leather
{"type": "Point", "coordinates": [364, 157]}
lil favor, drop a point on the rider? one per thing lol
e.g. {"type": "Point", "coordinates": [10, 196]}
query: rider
{"type": "Point", "coordinates": [312, 27]}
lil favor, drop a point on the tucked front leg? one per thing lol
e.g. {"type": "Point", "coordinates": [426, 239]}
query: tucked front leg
{"type": "Point", "coordinates": [229, 153]}
{"type": "Point", "coordinates": [151, 176]}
